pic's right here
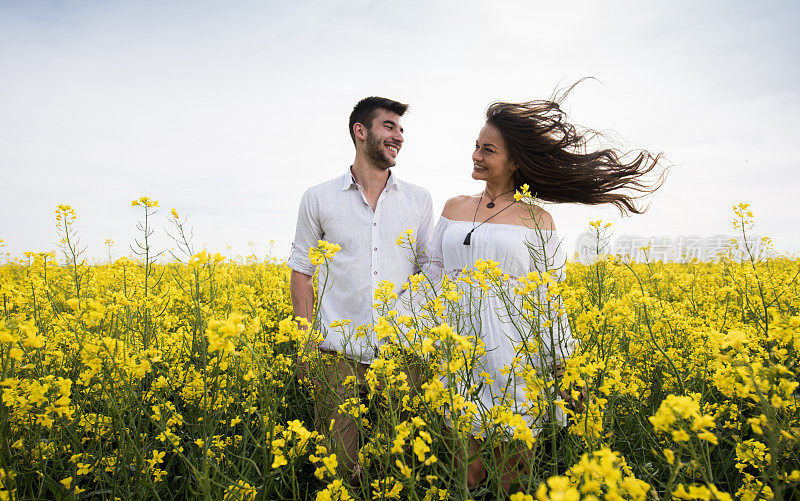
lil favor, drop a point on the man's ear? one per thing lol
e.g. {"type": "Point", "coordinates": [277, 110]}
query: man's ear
{"type": "Point", "coordinates": [514, 166]}
{"type": "Point", "coordinates": [360, 131]}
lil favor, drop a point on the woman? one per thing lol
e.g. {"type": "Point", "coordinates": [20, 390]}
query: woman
{"type": "Point", "coordinates": [521, 144]}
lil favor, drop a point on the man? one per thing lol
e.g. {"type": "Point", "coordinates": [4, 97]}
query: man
{"type": "Point", "coordinates": [364, 210]}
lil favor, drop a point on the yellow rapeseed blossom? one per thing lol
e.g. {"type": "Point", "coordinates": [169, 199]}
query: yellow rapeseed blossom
{"type": "Point", "coordinates": [145, 201]}
{"type": "Point", "coordinates": [523, 193]}
{"type": "Point", "coordinates": [406, 238]}
{"type": "Point", "coordinates": [140, 376]}
{"type": "Point", "coordinates": [324, 251]}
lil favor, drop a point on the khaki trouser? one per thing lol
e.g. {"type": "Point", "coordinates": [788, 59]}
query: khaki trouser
{"type": "Point", "coordinates": [330, 391]}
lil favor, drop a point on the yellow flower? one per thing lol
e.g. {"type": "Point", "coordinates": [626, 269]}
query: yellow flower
{"type": "Point", "coordinates": [700, 492]}
{"type": "Point", "coordinates": [680, 435]}
{"type": "Point", "coordinates": [199, 260]}
{"type": "Point", "coordinates": [385, 292]}
{"type": "Point", "coordinates": [240, 491]}
{"type": "Point", "coordinates": [323, 252]}
{"type": "Point", "coordinates": [420, 448]}
{"type": "Point", "coordinates": [406, 237]}
{"type": "Point", "coordinates": [708, 437]}
{"type": "Point", "coordinates": [521, 496]}
{"type": "Point", "coordinates": [404, 469]}
{"type": "Point", "coordinates": [523, 193]}
{"type": "Point", "coordinates": [279, 460]}
{"type": "Point", "coordinates": [328, 467]}
{"type": "Point", "coordinates": [145, 202]}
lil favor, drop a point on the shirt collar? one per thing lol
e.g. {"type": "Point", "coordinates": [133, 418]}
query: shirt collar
{"type": "Point", "coordinates": [348, 181]}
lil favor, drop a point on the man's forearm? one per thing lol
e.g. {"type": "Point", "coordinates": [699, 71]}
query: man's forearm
{"type": "Point", "coordinates": [302, 288]}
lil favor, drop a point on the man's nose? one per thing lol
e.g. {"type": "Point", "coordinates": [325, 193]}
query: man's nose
{"type": "Point", "coordinates": [476, 155]}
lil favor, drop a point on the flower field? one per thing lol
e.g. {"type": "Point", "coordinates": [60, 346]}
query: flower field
{"type": "Point", "coordinates": [146, 379]}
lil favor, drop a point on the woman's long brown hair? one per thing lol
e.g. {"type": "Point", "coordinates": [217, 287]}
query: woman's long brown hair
{"type": "Point", "coordinates": [552, 160]}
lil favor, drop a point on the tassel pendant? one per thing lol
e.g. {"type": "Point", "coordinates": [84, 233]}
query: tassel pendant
{"type": "Point", "coordinates": [468, 238]}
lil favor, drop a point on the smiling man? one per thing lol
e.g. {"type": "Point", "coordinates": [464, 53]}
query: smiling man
{"type": "Point", "coordinates": [364, 211]}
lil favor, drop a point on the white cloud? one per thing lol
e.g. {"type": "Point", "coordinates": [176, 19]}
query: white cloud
{"type": "Point", "coordinates": [229, 112]}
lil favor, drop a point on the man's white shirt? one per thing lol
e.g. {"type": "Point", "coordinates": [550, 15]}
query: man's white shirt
{"type": "Point", "coordinates": [338, 212]}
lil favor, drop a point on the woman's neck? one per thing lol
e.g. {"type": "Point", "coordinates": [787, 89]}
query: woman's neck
{"type": "Point", "coordinates": [495, 191]}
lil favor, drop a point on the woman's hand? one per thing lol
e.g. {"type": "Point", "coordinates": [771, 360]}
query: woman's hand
{"type": "Point", "coordinates": [566, 393]}
{"type": "Point", "coordinates": [576, 404]}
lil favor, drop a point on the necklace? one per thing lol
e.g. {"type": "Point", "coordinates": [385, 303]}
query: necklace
{"type": "Point", "coordinates": [490, 205]}
{"type": "Point", "coordinates": [468, 238]}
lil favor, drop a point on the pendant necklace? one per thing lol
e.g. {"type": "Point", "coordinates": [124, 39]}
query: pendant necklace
{"type": "Point", "coordinates": [468, 238]}
{"type": "Point", "coordinates": [490, 205]}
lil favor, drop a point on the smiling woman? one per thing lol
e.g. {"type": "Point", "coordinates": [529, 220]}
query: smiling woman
{"type": "Point", "coordinates": [526, 146]}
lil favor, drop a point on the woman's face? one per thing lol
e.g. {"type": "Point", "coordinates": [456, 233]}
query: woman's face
{"type": "Point", "coordinates": [490, 159]}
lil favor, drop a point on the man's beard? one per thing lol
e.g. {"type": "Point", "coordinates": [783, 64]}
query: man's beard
{"type": "Point", "coordinates": [375, 153]}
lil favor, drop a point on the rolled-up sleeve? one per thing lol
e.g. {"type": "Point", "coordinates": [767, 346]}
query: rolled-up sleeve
{"type": "Point", "coordinates": [306, 235]}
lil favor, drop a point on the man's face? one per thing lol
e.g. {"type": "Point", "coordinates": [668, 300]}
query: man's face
{"type": "Point", "coordinates": [384, 139]}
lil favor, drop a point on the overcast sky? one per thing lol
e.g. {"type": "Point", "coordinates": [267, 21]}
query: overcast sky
{"type": "Point", "coordinates": [228, 111]}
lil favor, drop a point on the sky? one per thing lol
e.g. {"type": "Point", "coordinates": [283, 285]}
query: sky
{"type": "Point", "coordinates": [229, 111]}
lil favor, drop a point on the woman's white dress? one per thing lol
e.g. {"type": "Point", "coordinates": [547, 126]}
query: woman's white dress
{"type": "Point", "coordinates": [496, 316]}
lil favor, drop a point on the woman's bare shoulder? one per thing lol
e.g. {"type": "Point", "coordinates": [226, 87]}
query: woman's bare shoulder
{"type": "Point", "coordinates": [454, 206]}
{"type": "Point", "coordinates": [541, 220]}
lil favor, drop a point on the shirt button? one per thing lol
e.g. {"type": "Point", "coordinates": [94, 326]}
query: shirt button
{"type": "Point", "coordinates": [375, 249]}
{"type": "Point", "coordinates": [374, 224]}
{"type": "Point", "coordinates": [375, 272]}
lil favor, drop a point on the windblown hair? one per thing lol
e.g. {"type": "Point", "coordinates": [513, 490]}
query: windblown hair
{"type": "Point", "coordinates": [553, 160]}
{"type": "Point", "coordinates": [365, 111]}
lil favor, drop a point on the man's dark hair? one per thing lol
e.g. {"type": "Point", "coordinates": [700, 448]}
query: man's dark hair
{"type": "Point", "coordinates": [365, 111]}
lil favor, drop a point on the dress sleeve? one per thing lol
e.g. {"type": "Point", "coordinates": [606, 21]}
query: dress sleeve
{"type": "Point", "coordinates": [436, 268]}
{"type": "Point", "coordinates": [410, 302]}
{"type": "Point", "coordinates": [307, 233]}
{"type": "Point", "coordinates": [549, 256]}
{"type": "Point", "coordinates": [547, 253]}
